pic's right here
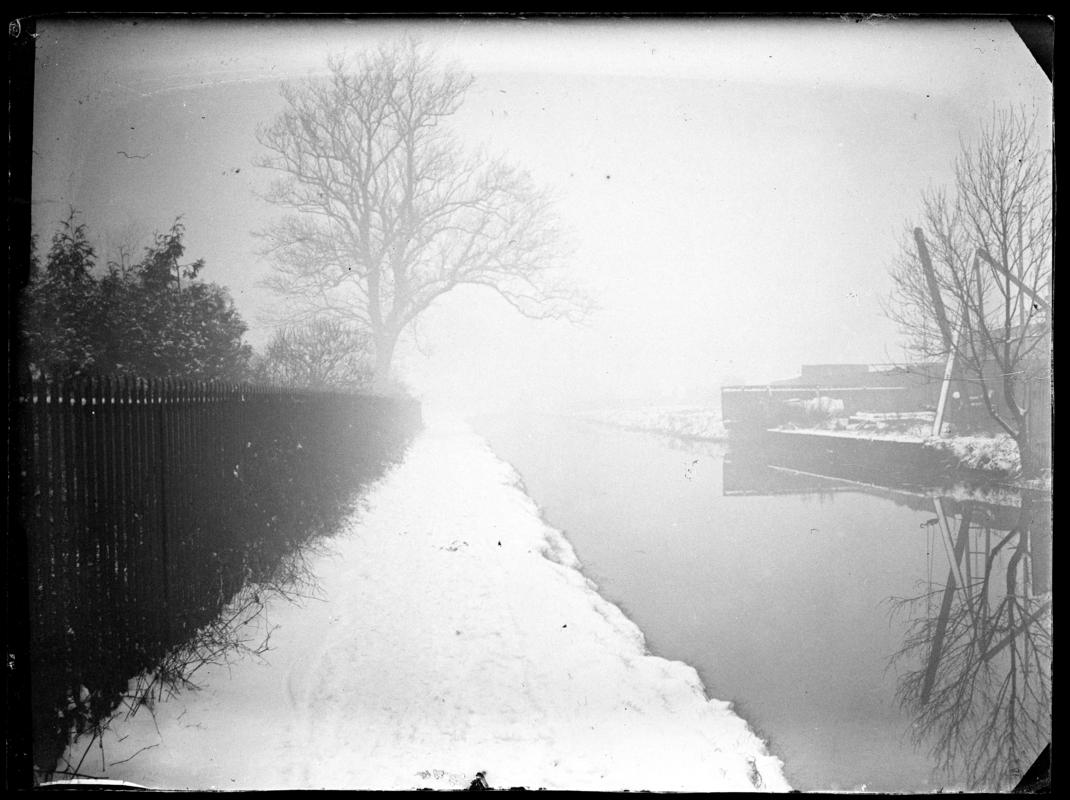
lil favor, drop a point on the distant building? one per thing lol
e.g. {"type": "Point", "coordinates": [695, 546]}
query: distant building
{"type": "Point", "coordinates": [850, 388]}
{"type": "Point", "coordinates": [865, 375]}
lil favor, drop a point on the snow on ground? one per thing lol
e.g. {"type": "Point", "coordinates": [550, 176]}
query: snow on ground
{"type": "Point", "coordinates": [900, 427]}
{"type": "Point", "coordinates": [687, 421]}
{"type": "Point", "coordinates": [996, 453]}
{"type": "Point", "coordinates": [454, 634]}
{"type": "Point", "coordinates": [887, 436]}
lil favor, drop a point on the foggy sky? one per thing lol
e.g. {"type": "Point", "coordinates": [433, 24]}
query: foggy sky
{"type": "Point", "coordinates": [734, 189]}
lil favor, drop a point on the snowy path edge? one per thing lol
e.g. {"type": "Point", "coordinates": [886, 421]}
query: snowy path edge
{"type": "Point", "coordinates": [456, 634]}
{"type": "Point", "coordinates": [767, 773]}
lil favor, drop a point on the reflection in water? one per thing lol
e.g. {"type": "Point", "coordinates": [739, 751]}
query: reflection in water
{"type": "Point", "coordinates": [980, 645]}
{"type": "Point", "coordinates": [975, 662]}
{"type": "Point", "coordinates": [796, 630]}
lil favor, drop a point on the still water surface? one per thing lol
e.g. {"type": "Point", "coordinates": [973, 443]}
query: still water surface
{"type": "Point", "coordinates": [830, 613]}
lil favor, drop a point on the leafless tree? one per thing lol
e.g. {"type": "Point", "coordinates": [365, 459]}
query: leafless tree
{"type": "Point", "coordinates": [322, 353]}
{"type": "Point", "coordinates": [389, 212]}
{"type": "Point", "coordinates": [974, 277]}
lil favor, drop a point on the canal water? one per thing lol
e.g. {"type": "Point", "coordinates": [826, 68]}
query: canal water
{"type": "Point", "coordinates": [878, 638]}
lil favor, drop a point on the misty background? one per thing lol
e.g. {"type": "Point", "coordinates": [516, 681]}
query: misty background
{"type": "Point", "coordinates": [733, 190]}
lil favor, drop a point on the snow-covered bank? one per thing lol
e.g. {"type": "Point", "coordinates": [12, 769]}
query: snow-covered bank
{"type": "Point", "coordinates": [454, 634]}
{"type": "Point", "coordinates": [997, 454]}
{"type": "Point", "coordinates": [685, 421]}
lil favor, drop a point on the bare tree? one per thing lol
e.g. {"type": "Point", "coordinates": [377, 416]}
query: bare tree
{"type": "Point", "coordinates": [318, 354]}
{"type": "Point", "coordinates": [973, 279]}
{"type": "Point", "coordinates": [390, 213]}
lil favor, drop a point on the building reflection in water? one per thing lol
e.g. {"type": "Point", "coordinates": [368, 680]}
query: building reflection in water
{"type": "Point", "coordinates": [974, 669]}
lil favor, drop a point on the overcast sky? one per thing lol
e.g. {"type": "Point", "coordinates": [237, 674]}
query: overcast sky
{"type": "Point", "coordinates": [735, 189]}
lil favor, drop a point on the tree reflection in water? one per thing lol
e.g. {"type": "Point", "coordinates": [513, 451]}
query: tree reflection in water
{"type": "Point", "coordinates": [978, 649]}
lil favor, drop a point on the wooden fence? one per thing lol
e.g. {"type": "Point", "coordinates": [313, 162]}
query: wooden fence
{"type": "Point", "coordinates": [146, 505]}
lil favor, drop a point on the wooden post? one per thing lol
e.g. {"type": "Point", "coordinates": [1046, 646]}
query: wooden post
{"type": "Point", "coordinates": [934, 287]}
{"type": "Point", "coordinates": [941, 405]}
{"type": "Point", "coordinates": [999, 270]}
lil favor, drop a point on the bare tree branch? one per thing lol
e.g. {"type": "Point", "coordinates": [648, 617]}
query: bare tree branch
{"type": "Point", "coordinates": [388, 213]}
{"type": "Point", "coordinates": [1000, 212]}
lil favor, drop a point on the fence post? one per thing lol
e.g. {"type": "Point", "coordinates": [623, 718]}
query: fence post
{"type": "Point", "coordinates": [156, 395]}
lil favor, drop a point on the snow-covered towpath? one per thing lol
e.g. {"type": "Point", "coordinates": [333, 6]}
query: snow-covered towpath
{"type": "Point", "coordinates": [454, 635]}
